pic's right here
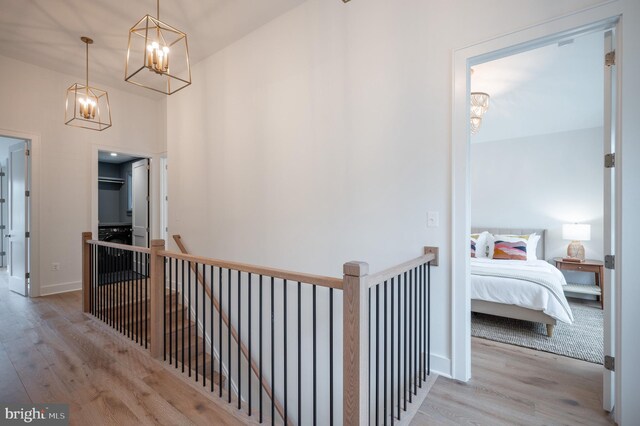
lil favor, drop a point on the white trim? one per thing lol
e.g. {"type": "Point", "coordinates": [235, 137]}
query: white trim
{"type": "Point", "coordinates": [441, 366]}
{"type": "Point", "coordinates": [588, 19]}
{"type": "Point", "coordinates": [60, 288]}
{"type": "Point", "coordinates": [34, 226]}
{"type": "Point", "coordinates": [154, 160]}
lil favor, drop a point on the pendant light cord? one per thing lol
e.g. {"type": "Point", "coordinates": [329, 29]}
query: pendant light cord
{"type": "Point", "coordinates": [87, 69]}
{"type": "Point", "coordinates": [158, 10]}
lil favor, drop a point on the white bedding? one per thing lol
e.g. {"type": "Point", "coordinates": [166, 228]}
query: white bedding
{"type": "Point", "coordinates": [524, 293]}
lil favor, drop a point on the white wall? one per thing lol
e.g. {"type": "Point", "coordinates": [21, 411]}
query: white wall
{"type": "Point", "coordinates": [542, 182]}
{"type": "Point", "coordinates": [33, 102]}
{"type": "Point", "coordinates": [324, 137]}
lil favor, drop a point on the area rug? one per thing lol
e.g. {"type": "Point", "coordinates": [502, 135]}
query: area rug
{"type": "Point", "coordinates": [581, 340]}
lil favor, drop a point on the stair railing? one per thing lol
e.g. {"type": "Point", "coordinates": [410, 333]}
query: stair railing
{"type": "Point", "coordinates": [227, 324]}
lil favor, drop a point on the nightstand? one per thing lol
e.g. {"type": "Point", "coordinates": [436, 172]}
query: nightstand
{"type": "Point", "coordinates": [591, 266]}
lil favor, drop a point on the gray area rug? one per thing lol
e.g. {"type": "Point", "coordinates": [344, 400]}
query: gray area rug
{"type": "Point", "coordinates": [581, 340]}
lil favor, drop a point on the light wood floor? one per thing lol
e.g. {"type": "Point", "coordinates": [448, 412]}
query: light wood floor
{"type": "Point", "coordinates": [517, 386]}
{"type": "Point", "coordinates": [51, 352]}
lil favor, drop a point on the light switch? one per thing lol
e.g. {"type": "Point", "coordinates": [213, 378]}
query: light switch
{"type": "Point", "coordinates": [433, 219]}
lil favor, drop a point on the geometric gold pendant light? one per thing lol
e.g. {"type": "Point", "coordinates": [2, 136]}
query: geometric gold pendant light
{"type": "Point", "coordinates": [86, 106]}
{"type": "Point", "coordinates": [479, 103]}
{"type": "Point", "coordinates": [157, 56]}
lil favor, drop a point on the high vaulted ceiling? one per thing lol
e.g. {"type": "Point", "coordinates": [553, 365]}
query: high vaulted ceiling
{"type": "Point", "coordinates": [552, 89]}
{"type": "Point", "coordinates": [47, 32]}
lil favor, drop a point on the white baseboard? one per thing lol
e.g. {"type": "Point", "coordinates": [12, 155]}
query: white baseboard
{"type": "Point", "coordinates": [60, 288]}
{"type": "Point", "coordinates": [441, 366]}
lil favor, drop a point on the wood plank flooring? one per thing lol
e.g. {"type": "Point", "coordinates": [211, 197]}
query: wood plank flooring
{"type": "Point", "coordinates": [517, 386]}
{"type": "Point", "coordinates": [51, 352]}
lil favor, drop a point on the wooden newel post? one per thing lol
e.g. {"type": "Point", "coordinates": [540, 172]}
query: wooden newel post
{"type": "Point", "coordinates": [356, 344]}
{"type": "Point", "coordinates": [156, 282]}
{"type": "Point", "coordinates": [86, 271]}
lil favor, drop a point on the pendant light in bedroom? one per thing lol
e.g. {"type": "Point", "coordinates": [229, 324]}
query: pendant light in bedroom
{"type": "Point", "coordinates": [157, 55]}
{"type": "Point", "coordinates": [479, 102]}
{"type": "Point", "coordinates": [86, 106]}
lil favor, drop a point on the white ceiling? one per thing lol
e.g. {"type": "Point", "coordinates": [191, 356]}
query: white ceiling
{"type": "Point", "coordinates": [547, 90]}
{"type": "Point", "coordinates": [47, 32]}
{"type": "Point", "coordinates": [106, 157]}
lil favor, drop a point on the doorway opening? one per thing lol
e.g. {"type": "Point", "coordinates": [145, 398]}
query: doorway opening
{"type": "Point", "coordinates": [604, 20]}
{"type": "Point", "coordinates": [123, 198]}
{"type": "Point", "coordinates": [15, 213]}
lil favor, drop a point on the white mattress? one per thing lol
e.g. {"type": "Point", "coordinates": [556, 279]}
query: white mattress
{"type": "Point", "coordinates": [513, 291]}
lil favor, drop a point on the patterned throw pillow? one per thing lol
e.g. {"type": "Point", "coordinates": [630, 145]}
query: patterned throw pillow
{"type": "Point", "coordinates": [514, 250]}
{"type": "Point", "coordinates": [474, 244]}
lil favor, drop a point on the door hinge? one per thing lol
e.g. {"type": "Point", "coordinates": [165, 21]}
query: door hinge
{"type": "Point", "coordinates": [27, 234]}
{"type": "Point", "coordinates": [2, 200]}
{"type": "Point", "coordinates": [609, 363]}
{"type": "Point", "coordinates": [27, 193]}
{"type": "Point", "coordinates": [610, 58]}
{"type": "Point", "coordinates": [610, 261]}
{"type": "Point", "coordinates": [27, 275]}
{"type": "Point", "coordinates": [610, 160]}
{"type": "Point", "coordinates": [2, 174]}
{"type": "Point", "coordinates": [27, 152]}
{"type": "Point", "coordinates": [166, 198]}
{"type": "Point", "coordinates": [3, 253]}
{"type": "Point", "coordinates": [3, 227]}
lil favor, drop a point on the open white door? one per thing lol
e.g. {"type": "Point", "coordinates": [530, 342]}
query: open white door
{"type": "Point", "coordinates": [609, 293]}
{"type": "Point", "coordinates": [16, 237]}
{"type": "Point", "coordinates": [140, 203]}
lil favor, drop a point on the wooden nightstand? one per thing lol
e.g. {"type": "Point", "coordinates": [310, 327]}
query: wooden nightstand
{"type": "Point", "coordinates": [592, 266]}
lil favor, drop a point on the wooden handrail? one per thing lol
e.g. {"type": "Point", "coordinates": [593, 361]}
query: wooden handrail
{"type": "Point", "coordinates": [223, 315]}
{"type": "Point", "coordinates": [394, 271]}
{"type": "Point", "coordinates": [318, 280]}
{"type": "Point", "coordinates": [119, 246]}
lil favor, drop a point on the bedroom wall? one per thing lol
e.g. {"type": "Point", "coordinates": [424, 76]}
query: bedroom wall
{"type": "Point", "coordinates": [32, 101]}
{"type": "Point", "coordinates": [542, 182]}
{"type": "Point", "coordinates": [324, 137]}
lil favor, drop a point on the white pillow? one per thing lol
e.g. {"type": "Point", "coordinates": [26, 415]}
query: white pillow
{"type": "Point", "coordinates": [481, 244]}
{"type": "Point", "coordinates": [532, 246]}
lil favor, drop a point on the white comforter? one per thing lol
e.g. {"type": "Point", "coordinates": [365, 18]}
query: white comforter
{"type": "Point", "coordinates": [508, 286]}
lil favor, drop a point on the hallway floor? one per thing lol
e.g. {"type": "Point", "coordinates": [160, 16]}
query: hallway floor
{"type": "Point", "coordinates": [512, 385]}
{"type": "Point", "coordinates": [51, 352]}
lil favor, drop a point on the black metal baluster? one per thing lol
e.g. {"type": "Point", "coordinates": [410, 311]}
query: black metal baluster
{"type": "Point", "coordinates": [166, 329]}
{"type": "Point", "coordinates": [391, 348]}
{"type": "Point", "coordinates": [419, 280]}
{"type": "Point", "coordinates": [130, 293]}
{"type": "Point", "coordinates": [211, 326]}
{"type": "Point", "coordinates": [249, 360]}
{"type": "Point", "coordinates": [177, 311]}
{"type": "Point", "coordinates": [139, 300]}
{"type": "Point", "coordinates": [330, 356]}
{"type": "Point", "coordinates": [220, 329]}
{"type": "Point", "coordinates": [121, 292]}
{"type": "Point", "coordinates": [273, 363]}
{"type": "Point", "coordinates": [377, 371]}
{"type": "Point", "coordinates": [189, 311]}
{"type": "Point", "coordinates": [260, 346]}
{"type": "Point", "coordinates": [315, 358]}
{"type": "Point", "coordinates": [195, 327]}
{"type": "Point", "coordinates": [384, 353]}
{"type": "Point", "coordinates": [239, 340]}
{"type": "Point", "coordinates": [299, 353]}
{"type": "Point", "coordinates": [284, 296]}
{"type": "Point", "coordinates": [411, 325]}
{"type": "Point", "coordinates": [370, 354]}
{"type": "Point", "coordinates": [405, 353]}
{"type": "Point", "coordinates": [429, 318]}
{"type": "Point", "coordinates": [111, 290]}
{"type": "Point", "coordinates": [164, 312]}
{"type": "Point", "coordinates": [229, 335]}
{"type": "Point", "coordinates": [415, 332]}
{"type": "Point", "coordinates": [147, 258]}
{"type": "Point", "coordinates": [204, 329]}
{"type": "Point", "coordinates": [399, 346]}
{"type": "Point", "coordinates": [183, 306]}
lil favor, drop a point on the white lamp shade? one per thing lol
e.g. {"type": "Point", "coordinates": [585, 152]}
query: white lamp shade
{"type": "Point", "coordinates": [576, 232]}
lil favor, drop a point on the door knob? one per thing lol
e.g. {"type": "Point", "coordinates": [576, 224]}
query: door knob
{"type": "Point", "coordinates": [8, 236]}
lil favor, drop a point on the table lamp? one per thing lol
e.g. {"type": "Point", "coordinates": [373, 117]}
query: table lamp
{"type": "Point", "coordinates": [576, 232]}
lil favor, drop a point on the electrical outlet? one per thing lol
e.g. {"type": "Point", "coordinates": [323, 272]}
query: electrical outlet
{"type": "Point", "coordinates": [433, 219]}
{"type": "Point", "coordinates": [55, 266]}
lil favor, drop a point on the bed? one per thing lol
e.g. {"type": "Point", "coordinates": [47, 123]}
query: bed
{"type": "Point", "coordinates": [526, 290]}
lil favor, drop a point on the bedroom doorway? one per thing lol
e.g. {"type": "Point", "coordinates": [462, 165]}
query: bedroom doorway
{"type": "Point", "coordinates": [567, 33]}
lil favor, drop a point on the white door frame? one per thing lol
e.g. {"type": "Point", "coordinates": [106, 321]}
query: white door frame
{"type": "Point", "coordinates": [154, 187]}
{"type": "Point", "coordinates": [592, 18]}
{"type": "Point", "coordinates": [164, 201]}
{"type": "Point", "coordinates": [33, 143]}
